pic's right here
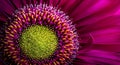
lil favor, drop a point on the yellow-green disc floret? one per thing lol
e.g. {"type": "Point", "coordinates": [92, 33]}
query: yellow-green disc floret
{"type": "Point", "coordinates": [38, 42]}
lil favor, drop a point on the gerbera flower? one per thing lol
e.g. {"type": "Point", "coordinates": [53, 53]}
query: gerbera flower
{"type": "Point", "coordinates": [59, 32]}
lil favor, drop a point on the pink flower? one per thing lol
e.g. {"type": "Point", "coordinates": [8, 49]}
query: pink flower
{"type": "Point", "coordinates": [97, 23]}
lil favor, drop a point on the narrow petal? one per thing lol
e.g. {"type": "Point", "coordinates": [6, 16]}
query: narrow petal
{"type": "Point", "coordinates": [105, 33]}
{"type": "Point", "coordinates": [97, 57]}
{"type": "Point", "coordinates": [97, 9]}
{"type": "Point", "coordinates": [106, 23]}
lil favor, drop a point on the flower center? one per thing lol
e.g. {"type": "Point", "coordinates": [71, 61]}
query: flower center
{"type": "Point", "coordinates": [38, 42]}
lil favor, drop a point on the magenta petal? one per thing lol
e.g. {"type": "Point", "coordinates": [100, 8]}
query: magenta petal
{"type": "Point", "coordinates": [6, 6]}
{"type": "Point", "coordinates": [95, 57]}
{"type": "Point", "coordinates": [108, 40]}
{"type": "Point", "coordinates": [106, 36]}
{"type": "Point", "coordinates": [54, 3]}
{"type": "Point", "coordinates": [5, 10]}
{"type": "Point", "coordinates": [70, 6]}
{"type": "Point", "coordinates": [97, 9]}
{"type": "Point", "coordinates": [117, 12]}
{"type": "Point", "coordinates": [108, 26]}
{"type": "Point", "coordinates": [105, 32]}
{"type": "Point", "coordinates": [97, 23]}
{"type": "Point", "coordinates": [86, 42]}
{"type": "Point", "coordinates": [107, 47]}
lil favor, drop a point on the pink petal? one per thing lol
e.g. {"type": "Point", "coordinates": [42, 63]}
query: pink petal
{"type": "Point", "coordinates": [94, 57]}
{"type": "Point", "coordinates": [95, 9]}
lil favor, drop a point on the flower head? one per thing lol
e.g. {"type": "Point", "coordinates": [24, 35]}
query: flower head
{"type": "Point", "coordinates": [59, 32]}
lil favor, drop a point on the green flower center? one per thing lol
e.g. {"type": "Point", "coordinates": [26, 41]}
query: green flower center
{"type": "Point", "coordinates": [38, 42]}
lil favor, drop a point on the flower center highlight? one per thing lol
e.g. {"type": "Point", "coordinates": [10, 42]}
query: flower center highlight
{"type": "Point", "coordinates": [38, 42]}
